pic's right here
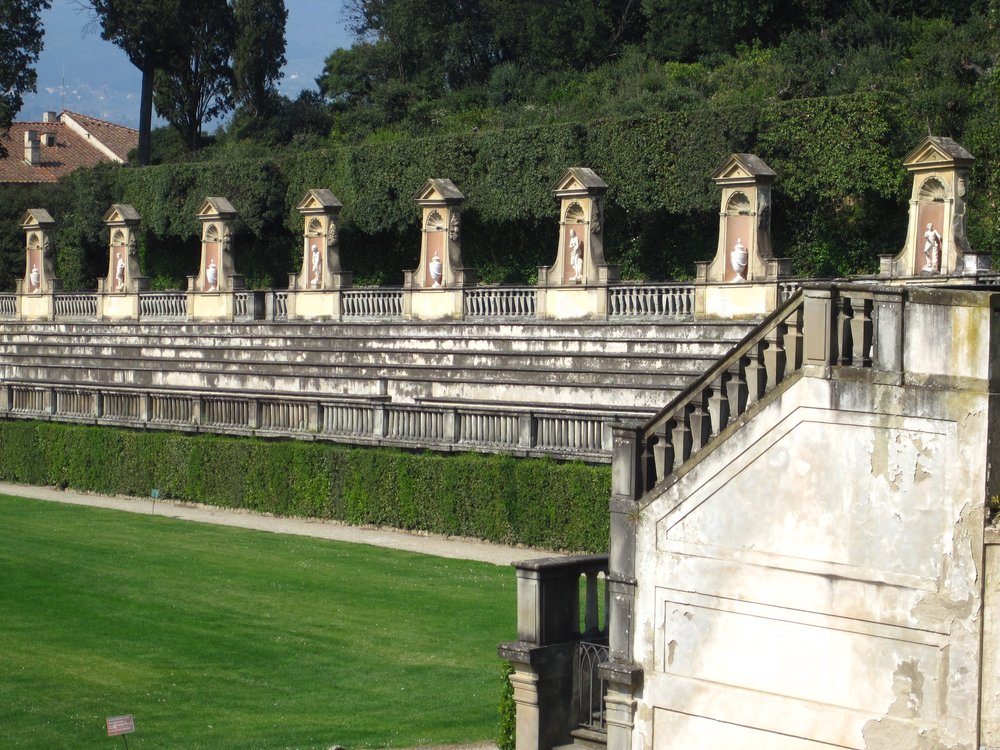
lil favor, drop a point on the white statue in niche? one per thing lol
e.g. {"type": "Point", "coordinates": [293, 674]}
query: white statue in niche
{"type": "Point", "coordinates": [212, 276]}
{"type": "Point", "coordinates": [575, 256]}
{"type": "Point", "coordinates": [119, 273]}
{"type": "Point", "coordinates": [436, 269]}
{"type": "Point", "coordinates": [739, 257]}
{"type": "Point", "coordinates": [317, 267]}
{"type": "Point", "coordinates": [35, 278]}
{"type": "Point", "coordinates": [932, 250]}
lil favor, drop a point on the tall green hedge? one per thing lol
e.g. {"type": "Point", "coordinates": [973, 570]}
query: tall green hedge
{"type": "Point", "coordinates": [839, 198]}
{"type": "Point", "coordinates": [497, 498]}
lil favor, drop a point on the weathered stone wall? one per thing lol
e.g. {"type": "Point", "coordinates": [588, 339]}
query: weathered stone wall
{"type": "Point", "coordinates": [816, 580]}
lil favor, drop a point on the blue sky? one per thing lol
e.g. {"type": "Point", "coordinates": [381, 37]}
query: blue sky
{"type": "Point", "coordinates": [81, 72]}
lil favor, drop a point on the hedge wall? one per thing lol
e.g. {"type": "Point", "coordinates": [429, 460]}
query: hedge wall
{"type": "Point", "coordinates": [839, 199]}
{"type": "Point", "coordinates": [536, 502]}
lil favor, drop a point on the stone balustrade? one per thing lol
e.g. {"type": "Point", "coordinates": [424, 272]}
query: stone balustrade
{"type": "Point", "coordinates": [552, 622]}
{"type": "Point", "coordinates": [651, 300]}
{"type": "Point", "coordinates": [819, 326]}
{"type": "Point", "coordinates": [163, 305]}
{"type": "Point", "coordinates": [75, 306]}
{"type": "Point", "coordinates": [500, 302]}
{"type": "Point", "coordinates": [359, 421]}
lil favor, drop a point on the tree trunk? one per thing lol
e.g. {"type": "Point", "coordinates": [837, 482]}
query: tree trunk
{"type": "Point", "coordinates": [145, 114]}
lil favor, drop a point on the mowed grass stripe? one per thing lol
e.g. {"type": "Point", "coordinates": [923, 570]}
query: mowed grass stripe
{"type": "Point", "coordinates": [215, 637]}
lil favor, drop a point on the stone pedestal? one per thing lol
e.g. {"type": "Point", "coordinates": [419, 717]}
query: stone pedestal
{"type": "Point", "coordinates": [39, 282]}
{"type": "Point", "coordinates": [118, 291]}
{"type": "Point", "coordinates": [434, 289]}
{"type": "Point", "coordinates": [315, 291]}
{"type": "Point", "coordinates": [936, 243]}
{"type": "Point", "coordinates": [576, 285]}
{"type": "Point", "coordinates": [741, 281]}
{"type": "Point", "coordinates": [210, 293]}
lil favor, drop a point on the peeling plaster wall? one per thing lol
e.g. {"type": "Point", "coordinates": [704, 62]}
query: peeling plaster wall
{"type": "Point", "coordinates": [816, 581]}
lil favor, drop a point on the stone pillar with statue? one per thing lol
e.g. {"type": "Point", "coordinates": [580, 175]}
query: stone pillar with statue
{"type": "Point", "coordinates": [118, 291]}
{"type": "Point", "coordinates": [936, 245]}
{"type": "Point", "coordinates": [36, 288]}
{"type": "Point", "coordinates": [575, 286]}
{"type": "Point", "coordinates": [315, 291]}
{"type": "Point", "coordinates": [434, 289]}
{"type": "Point", "coordinates": [211, 292]}
{"type": "Point", "coordinates": [742, 280]}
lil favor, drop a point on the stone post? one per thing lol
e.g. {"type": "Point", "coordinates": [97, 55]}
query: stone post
{"type": "Point", "coordinates": [434, 289]}
{"type": "Point", "coordinates": [742, 280]}
{"type": "Point", "coordinates": [36, 288]}
{"type": "Point", "coordinates": [213, 287]}
{"type": "Point", "coordinates": [118, 291]}
{"type": "Point", "coordinates": [315, 291]}
{"type": "Point", "coordinates": [576, 285]}
{"type": "Point", "coordinates": [936, 242]}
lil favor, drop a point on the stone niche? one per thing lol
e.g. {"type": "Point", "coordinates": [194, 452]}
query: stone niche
{"type": "Point", "coordinates": [123, 281]}
{"type": "Point", "coordinates": [576, 285]}
{"type": "Point", "coordinates": [320, 211]}
{"type": "Point", "coordinates": [741, 281]}
{"type": "Point", "coordinates": [211, 290]}
{"type": "Point", "coordinates": [434, 288]}
{"type": "Point", "coordinates": [936, 243]}
{"type": "Point", "coordinates": [315, 290]}
{"type": "Point", "coordinates": [39, 281]}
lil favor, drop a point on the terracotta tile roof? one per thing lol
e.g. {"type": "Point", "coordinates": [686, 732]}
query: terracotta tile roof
{"type": "Point", "coordinates": [72, 148]}
{"type": "Point", "coordinates": [118, 138]}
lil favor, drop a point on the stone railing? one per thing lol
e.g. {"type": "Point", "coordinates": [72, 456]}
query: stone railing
{"type": "Point", "coordinates": [372, 303]}
{"type": "Point", "coordinates": [279, 305]}
{"type": "Point", "coordinates": [8, 306]}
{"type": "Point", "coordinates": [822, 325]}
{"type": "Point", "coordinates": [76, 306]}
{"type": "Point", "coordinates": [550, 679]}
{"type": "Point", "coordinates": [248, 305]}
{"type": "Point", "coordinates": [651, 300]}
{"type": "Point", "coordinates": [374, 421]}
{"type": "Point", "coordinates": [500, 302]}
{"type": "Point", "coordinates": [786, 289]}
{"type": "Point", "coordinates": [163, 305]}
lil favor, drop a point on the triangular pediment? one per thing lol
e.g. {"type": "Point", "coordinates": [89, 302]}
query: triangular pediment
{"type": "Point", "coordinates": [439, 190]}
{"type": "Point", "coordinates": [319, 200]}
{"type": "Point", "coordinates": [37, 217]}
{"type": "Point", "coordinates": [215, 208]}
{"type": "Point", "coordinates": [938, 151]}
{"type": "Point", "coordinates": [579, 180]}
{"type": "Point", "coordinates": [121, 213]}
{"type": "Point", "coordinates": [743, 168]}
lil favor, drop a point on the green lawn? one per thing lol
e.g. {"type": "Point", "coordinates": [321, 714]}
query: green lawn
{"type": "Point", "coordinates": [223, 638]}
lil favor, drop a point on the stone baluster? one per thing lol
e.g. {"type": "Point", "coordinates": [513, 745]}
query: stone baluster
{"type": "Point", "coordinates": [774, 356]}
{"type": "Point", "coordinates": [681, 441]}
{"type": "Point", "coordinates": [662, 453]}
{"type": "Point", "coordinates": [591, 626]}
{"type": "Point", "coordinates": [700, 421]}
{"type": "Point", "coordinates": [793, 341]}
{"type": "Point", "coordinates": [845, 342]}
{"type": "Point", "coordinates": [861, 332]}
{"type": "Point", "coordinates": [755, 373]}
{"type": "Point", "coordinates": [736, 391]}
{"type": "Point", "coordinates": [718, 403]}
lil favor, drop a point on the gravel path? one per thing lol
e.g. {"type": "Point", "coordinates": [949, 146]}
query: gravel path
{"type": "Point", "coordinates": [428, 544]}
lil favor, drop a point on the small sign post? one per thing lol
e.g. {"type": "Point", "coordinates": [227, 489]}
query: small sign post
{"type": "Point", "coordinates": [155, 494]}
{"type": "Point", "coordinates": [119, 726]}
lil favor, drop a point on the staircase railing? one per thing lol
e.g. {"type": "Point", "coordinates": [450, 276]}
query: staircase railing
{"type": "Point", "coordinates": [826, 325]}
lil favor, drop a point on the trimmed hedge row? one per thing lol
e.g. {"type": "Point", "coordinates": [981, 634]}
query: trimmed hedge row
{"type": "Point", "coordinates": [536, 502]}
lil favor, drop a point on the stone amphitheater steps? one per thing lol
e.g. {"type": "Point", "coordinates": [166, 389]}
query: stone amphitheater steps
{"type": "Point", "coordinates": [599, 366]}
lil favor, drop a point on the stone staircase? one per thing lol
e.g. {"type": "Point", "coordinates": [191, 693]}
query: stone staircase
{"type": "Point", "coordinates": [630, 369]}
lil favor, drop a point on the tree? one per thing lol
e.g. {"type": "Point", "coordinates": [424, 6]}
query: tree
{"type": "Point", "coordinates": [20, 44]}
{"type": "Point", "coordinates": [152, 34]}
{"type": "Point", "coordinates": [196, 84]}
{"type": "Point", "coordinates": [258, 52]}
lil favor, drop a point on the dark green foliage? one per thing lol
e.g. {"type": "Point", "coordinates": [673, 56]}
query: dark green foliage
{"type": "Point", "coordinates": [839, 198]}
{"type": "Point", "coordinates": [502, 499]}
{"type": "Point", "coordinates": [507, 726]}
{"type": "Point", "coordinates": [20, 44]}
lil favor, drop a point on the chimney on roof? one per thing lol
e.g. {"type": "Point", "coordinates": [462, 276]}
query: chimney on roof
{"type": "Point", "coordinates": [50, 117]}
{"type": "Point", "coordinates": [32, 148]}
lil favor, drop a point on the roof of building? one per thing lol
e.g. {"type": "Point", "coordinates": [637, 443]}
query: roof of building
{"type": "Point", "coordinates": [79, 141]}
